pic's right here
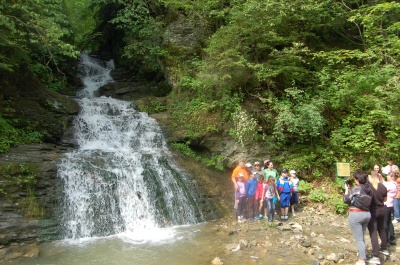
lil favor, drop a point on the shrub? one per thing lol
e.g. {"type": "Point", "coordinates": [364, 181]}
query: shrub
{"type": "Point", "coordinates": [317, 195]}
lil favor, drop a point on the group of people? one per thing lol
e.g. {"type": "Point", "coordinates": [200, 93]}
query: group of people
{"type": "Point", "coordinates": [373, 199]}
{"type": "Point", "coordinates": [259, 187]}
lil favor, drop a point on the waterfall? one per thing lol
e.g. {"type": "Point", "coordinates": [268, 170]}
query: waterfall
{"type": "Point", "coordinates": [122, 178]}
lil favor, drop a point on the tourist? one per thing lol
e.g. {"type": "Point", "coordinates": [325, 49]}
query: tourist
{"type": "Point", "coordinates": [285, 188]}
{"type": "Point", "coordinates": [396, 205]}
{"type": "Point", "coordinates": [240, 168]}
{"type": "Point", "coordinates": [294, 198]}
{"type": "Point", "coordinates": [265, 165]}
{"type": "Point", "coordinates": [270, 171]}
{"type": "Point", "coordinates": [241, 197]}
{"type": "Point", "coordinates": [259, 197]}
{"type": "Point", "coordinates": [377, 168]}
{"type": "Point", "coordinates": [391, 186]}
{"type": "Point", "coordinates": [271, 197]}
{"type": "Point", "coordinates": [359, 214]}
{"type": "Point", "coordinates": [257, 168]}
{"type": "Point", "coordinates": [249, 168]}
{"type": "Point", "coordinates": [251, 187]}
{"type": "Point", "coordinates": [390, 166]}
{"type": "Point", "coordinates": [376, 224]}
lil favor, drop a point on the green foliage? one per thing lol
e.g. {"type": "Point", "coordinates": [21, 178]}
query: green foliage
{"type": "Point", "coordinates": [11, 136]}
{"type": "Point", "coordinates": [318, 195]}
{"type": "Point", "coordinates": [153, 106]}
{"type": "Point", "coordinates": [215, 161]}
{"type": "Point", "coordinates": [304, 187]}
{"type": "Point", "coordinates": [33, 28]}
{"type": "Point", "coordinates": [336, 200]}
{"type": "Point", "coordinates": [245, 127]}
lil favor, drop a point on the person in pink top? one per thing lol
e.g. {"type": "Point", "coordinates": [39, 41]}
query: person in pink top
{"type": "Point", "coordinates": [259, 195]}
{"type": "Point", "coordinates": [391, 186]}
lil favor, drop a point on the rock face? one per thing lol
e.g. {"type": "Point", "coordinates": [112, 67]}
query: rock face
{"type": "Point", "coordinates": [28, 214]}
{"type": "Point", "coordinates": [36, 107]}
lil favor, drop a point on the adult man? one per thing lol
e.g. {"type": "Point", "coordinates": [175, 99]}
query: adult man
{"type": "Point", "coordinates": [390, 167]}
{"type": "Point", "coordinates": [240, 168]}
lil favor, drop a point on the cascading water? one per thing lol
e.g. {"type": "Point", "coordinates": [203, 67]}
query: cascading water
{"type": "Point", "coordinates": [122, 178]}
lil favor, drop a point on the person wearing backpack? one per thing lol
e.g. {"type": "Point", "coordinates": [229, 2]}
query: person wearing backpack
{"type": "Point", "coordinates": [359, 198]}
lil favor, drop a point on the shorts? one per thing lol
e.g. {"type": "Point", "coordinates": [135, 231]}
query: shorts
{"type": "Point", "coordinates": [294, 199]}
{"type": "Point", "coordinates": [285, 199]}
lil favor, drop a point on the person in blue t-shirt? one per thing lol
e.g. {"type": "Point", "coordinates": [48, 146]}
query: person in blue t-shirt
{"type": "Point", "coordinates": [251, 187]}
{"type": "Point", "coordinates": [285, 188]}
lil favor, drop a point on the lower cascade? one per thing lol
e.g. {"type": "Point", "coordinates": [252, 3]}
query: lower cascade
{"type": "Point", "coordinates": [122, 178]}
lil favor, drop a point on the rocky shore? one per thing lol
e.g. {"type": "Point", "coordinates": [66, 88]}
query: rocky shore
{"type": "Point", "coordinates": [314, 236]}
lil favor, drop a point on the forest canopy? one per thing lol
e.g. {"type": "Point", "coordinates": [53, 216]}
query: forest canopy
{"type": "Point", "coordinates": [314, 81]}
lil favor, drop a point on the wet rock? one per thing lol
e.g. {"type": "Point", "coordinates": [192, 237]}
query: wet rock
{"type": "Point", "coordinates": [333, 257]}
{"type": "Point", "coordinates": [216, 261]}
{"type": "Point", "coordinates": [232, 247]}
{"type": "Point", "coordinates": [305, 244]}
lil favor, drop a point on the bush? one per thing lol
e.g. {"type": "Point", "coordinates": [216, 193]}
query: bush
{"type": "Point", "coordinates": [318, 195]}
{"type": "Point", "coordinates": [304, 187]}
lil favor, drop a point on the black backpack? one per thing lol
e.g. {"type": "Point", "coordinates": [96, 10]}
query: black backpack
{"type": "Point", "coordinates": [359, 198]}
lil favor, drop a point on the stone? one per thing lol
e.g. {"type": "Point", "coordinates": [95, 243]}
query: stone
{"type": "Point", "coordinates": [333, 257]}
{"type": "Point", "coordinates": [216, 261]}
{"type": "Point", "coordinates": [232, 247]}
{"type": "Point", "coordinates": [305, 244]}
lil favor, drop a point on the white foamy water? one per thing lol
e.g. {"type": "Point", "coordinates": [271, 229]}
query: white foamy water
{"type": "Point", "coordinates": [122, 179]}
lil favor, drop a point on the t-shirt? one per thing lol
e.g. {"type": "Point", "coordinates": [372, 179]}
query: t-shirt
{"type": "Point", "coordinates": [241, 191]}
{"type": "Point", "coordinates": [271, 173]}
{"type": "Point", "coordinates": [251, 186]}
{"type": "Point", "coordinates": [391, 187]}
{"type": "Point", "coordinates": [398, 188]}
{"type": "Point", "coordinates": [270, 192]}
{"type": "Point", "coordinates": [259, 190]}
{"type": "Point", "coordinates": [379, 196]}
{"type": "Point", "coordinates": [295, 182]}
{"type": "Point", "coordinates": [238, 170]}
{"type": "Point", "coordinates": [386, 170]}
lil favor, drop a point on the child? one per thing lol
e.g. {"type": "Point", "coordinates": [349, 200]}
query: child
{"type": "Point", "coordinates": [241, 197]}
{"type": "Point", "coordinates": [294, 199]}
{"type": "Point", "coordinates": [251, 186]}
{"type": "Point", "coordinates": [285, 188]}
{"type": "Point", "coordinates": [271, 197]}
{"type": "Point", "coordinates": [259, 196]}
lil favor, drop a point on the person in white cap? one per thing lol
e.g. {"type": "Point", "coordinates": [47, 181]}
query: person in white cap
{"type": "Point", "coordinates": [294, 198]}
{"type": "Point", "coordinates": [257, 168]}
{"type": "Point", "coordinates": [241, 196]}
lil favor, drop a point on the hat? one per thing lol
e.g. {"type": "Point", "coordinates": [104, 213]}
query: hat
{"type": "Point", "coordinates": [284, 170]}
{"type": "Point", "coordinates": [256, 163]}
{"type": "Point", "coordinates": [292, 172]}
{"type": "Point", "coordinates": [248, 165]}
{"type": "Point", "coordinates": [240, 175]}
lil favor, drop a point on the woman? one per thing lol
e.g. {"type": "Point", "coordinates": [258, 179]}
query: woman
{"type": "Point", "coordinates": [391, 186]}
{"type": "Point", "coordinates": [270, 171]}
{"type": "Point", "coordinates": [376, 225]}
{"type": "Point", "coordinates": [359, 214]}
{"type": "Point", "coordinates": [377, 168]}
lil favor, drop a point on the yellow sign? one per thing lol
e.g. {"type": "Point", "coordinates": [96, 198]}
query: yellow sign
{"type": "Point", "coordinates": [343, 169]}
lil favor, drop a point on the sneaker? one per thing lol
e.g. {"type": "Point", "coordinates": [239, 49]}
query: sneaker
{"type": "Point", "coordinates": [394, 221]}
{"type": "Point", "coordinates": [392, 242]}
{"type": "Point", "coordinates": [286, 217]}
{"type": "Point", "coordinates": [260, 216]}
{"type": "Point", "coordinates": [373, 260]}
{"type": "Point", "coordinates": [251, 219]}
{"type": "Point", "coordinates": [266, 218]}
{"type": "Point", "coordinates": [282, 217]}
{"type": "Point", "coordinates": [384, 252]}
{"type": "Point", "coordinates": [293, 214]}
